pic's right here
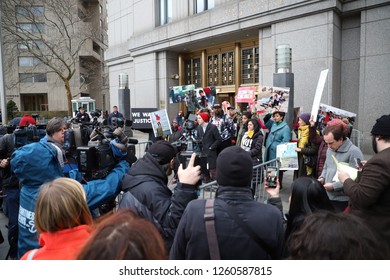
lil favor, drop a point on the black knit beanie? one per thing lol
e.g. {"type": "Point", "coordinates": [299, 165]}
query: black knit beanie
{"type": "Point", "coordinates": [382, 126]}
{"type": "Point", "coordinates": [234, 167]}
{"type": "Point", "coordinates": [163, 151]}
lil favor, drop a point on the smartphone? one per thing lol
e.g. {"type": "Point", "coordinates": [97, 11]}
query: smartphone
{"type": "Point", "coordinates": [358, 162]}
{"type": "Point", "coordinates": [271, 176]}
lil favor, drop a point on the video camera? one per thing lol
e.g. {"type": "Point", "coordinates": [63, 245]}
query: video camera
{"type": "Point", "coordinates": [188, 144]}
{"type": "Point", "coordinates": [97, 148]}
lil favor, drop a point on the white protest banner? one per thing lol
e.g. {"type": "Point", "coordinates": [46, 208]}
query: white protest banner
{"type": "Point", "coordinates": [317, 96]}
{"type": "Point", "coordinates": [287, 155]}
{"type": "Point", "coordinates": [160, 123]}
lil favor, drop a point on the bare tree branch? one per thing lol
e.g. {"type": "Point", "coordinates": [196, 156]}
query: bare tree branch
{"type": "Point", "coordinates": [51, 31]}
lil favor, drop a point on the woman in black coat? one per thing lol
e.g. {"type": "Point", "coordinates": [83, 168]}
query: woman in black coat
{"type": "Point", "coordinates": [252, 142]}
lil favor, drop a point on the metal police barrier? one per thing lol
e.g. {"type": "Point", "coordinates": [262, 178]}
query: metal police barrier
{"type": "Point", "coordinates": [208, 190]}
{"type": "Point", "coordinates": [141, 148]}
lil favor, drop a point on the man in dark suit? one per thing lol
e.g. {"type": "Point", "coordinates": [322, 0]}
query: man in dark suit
{"type": "Point", "coordinates": [211, 140]}
{"type": "Point", "coordinates": [369, 195]}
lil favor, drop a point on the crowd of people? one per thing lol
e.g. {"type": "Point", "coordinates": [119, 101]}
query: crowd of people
{"type": "Point", "coordinates": [330, 215]}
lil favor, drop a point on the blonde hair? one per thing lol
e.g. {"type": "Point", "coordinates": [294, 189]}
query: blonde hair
{"type": "Point", "coordinates": [61, 204]}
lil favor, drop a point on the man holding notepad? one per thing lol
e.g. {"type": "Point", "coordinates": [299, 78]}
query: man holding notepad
{"type": "Point", "coordinates": [341, 149]}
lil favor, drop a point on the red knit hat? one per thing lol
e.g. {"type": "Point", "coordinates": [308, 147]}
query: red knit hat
{"type": "Point", "coordinates": [205, 117]}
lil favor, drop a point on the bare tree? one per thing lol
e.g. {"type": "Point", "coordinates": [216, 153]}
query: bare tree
{"type": "Point", "coordinates": [53, 31]}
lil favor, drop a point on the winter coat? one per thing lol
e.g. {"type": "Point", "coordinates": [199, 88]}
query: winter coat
{"type": "Point", "coordinates": [318, 140]}
{"type": "Point", "coordinates": [145, 190]}
{"type": "Point", "coordinates": [307, 149]}
{"type": "Point", "coordinates": [211, 140]}
{"type": "Point", "coordinates": [279, 133]}
{"type": "Point", "coordinates": [37, 163]}
{"type": "Point", "coordinates": [370, 193]}
{"type": "Point", "coordinates": [234, 243]}
{"type": "Point", "coordinates": [61, 245]}
{"type": "Point", "coordinates": [254, 145]}
{"type": "Point", "coordinates": [347, 153]}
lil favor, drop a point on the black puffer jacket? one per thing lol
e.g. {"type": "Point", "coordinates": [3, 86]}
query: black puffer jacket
{"type": "Point", "coordinates": [234, 243]}
{"type": "Point", "coordinates": [146, 181]}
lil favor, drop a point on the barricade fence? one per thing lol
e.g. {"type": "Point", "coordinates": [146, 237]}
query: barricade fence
{"type": "Point", "coordinates": [141, 148]}
{"type": "Point", "coordinates": [208, 190]}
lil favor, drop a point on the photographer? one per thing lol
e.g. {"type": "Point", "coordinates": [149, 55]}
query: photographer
{"type": "Point", "coordinates": [36, 163]}
{"type": "Point", "coordinates": [145, 189]}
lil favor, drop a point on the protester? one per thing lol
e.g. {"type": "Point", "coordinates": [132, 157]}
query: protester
{"type": "Point", "coordinates": [211, 140]}
{"type": "Point", "coordinates": [177, 132]}
{"type": "Point", "coordinates": [369, 195]}
{"type": "Point", "coordinates": [145, 189]}
{"type": "Point", "coordinates": [233, 206]}
{"type": "Point", "coordinates": [307, 197]}
{"type": "Point", "coordinates": [318, 140]}
{"type": "Point", "coordinates": [252, 142]}
{"type": "Point", "coordinates": [37, 163]}
{"type": "Point", "coordinates": [307, 151]}
{"type": "Point", "coordinates": [124, 236]}
{"type": "Point", "coordinates": [234, 118]}
{"type": "Point", "coordinates": [224, 125]}
{"type": "Point", "coordinates": [342, 149]}
{"type": "Point", "coordinates": [62, 219]}
{"type": "Point", "coordinates": [279, 133]}
{"type": "Point", "coordinates": [337, 236]}
{"type": "Point", "coordinates": [243, 126]}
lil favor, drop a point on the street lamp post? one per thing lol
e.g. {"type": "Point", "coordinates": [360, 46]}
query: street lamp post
{"type": "Point", "coordinates": [2, 87]}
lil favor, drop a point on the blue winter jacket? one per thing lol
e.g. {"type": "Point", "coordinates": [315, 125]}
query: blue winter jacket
{"type": "Point", "coordinates": [278, 134]}
{"type": "Point", "coordinates": [35, 164]}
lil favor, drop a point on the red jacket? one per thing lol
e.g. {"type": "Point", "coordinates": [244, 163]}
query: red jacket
{"type": "Point", "coordinates": [26, 120]}
{"type": "Point", "coordinates": [61, 245]}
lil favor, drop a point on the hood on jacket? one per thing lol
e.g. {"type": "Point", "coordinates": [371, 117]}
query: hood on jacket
{"type": "Point", "coordinates": [35, 164]}
{"type": "Point", "coordinates": [144, 170]}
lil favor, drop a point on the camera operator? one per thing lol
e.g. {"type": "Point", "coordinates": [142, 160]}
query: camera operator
{"type": "Point", "coordinates": [211, 140]}
{"type": "Point", "coordinates": [10, 186]}
{"type": "Point", "coordinates": [36, 163]}
{"type": "Point", "coordinates": [146, 191]}
{"type": "Point", "coordinates": [82, 116]}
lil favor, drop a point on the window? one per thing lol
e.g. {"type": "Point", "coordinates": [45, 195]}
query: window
{"type": "Point", "coordinates": [228, 68]}
{"type": "Point", "coordinates": [29, 61]}
{"type": "Point", "coordinates": [165, 11]}
{"type": "Point", "coordinates": [32, 77]}
{"type": "Point", "coordinates": [203, 5]}
{"type": "Point", "coordinates": [30, 11]}
{"type": "Point", "coordinates": [32, 44]}
{"type": "Point", "coordinates": [30, 27]}
{"type": "Point", "coordinates": [250, 66]}
{"type": "Point", "coordinates": [34, 102]}
{"type": "Point", "coordinates": [192, 72]}
{"type": "Point", "coordinates": [212, 69]}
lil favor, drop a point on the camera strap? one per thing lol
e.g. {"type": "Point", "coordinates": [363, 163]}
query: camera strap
{"type": "Point", "coordinates": [211, 234]}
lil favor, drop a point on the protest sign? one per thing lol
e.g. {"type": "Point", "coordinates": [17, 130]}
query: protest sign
{"type": "Point", "coordinates": [160, 123]}
{"type": "Point", "coordinates": [318, 94]}
{"type": "Point", "coordinates": [288, 156]}
{"type": "Point", "coordinates": [178, 94]}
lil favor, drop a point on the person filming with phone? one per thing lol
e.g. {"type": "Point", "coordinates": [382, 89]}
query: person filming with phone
{"type": "Point", "coordinates": [370, 193]}
{"type": "Point", "coordinates": [242, 227]}
{"type": "Point", "coordinates": [146, 191]}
